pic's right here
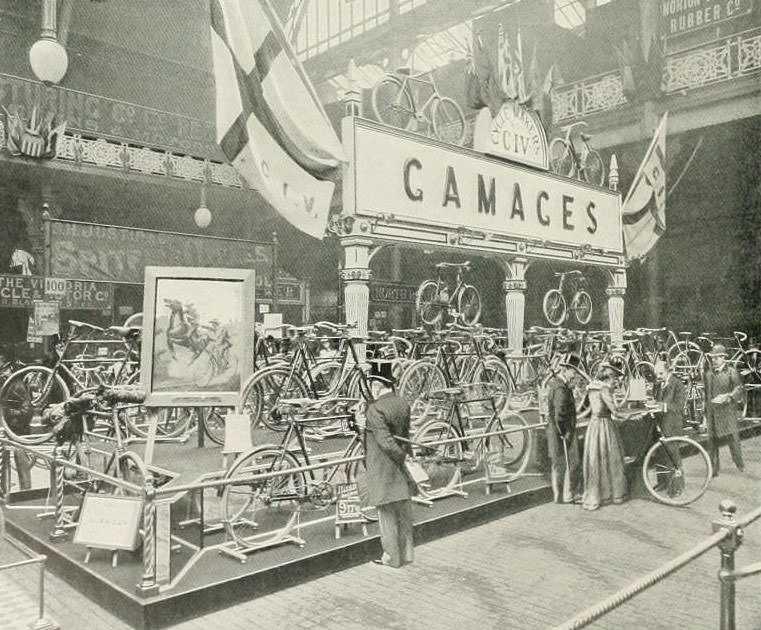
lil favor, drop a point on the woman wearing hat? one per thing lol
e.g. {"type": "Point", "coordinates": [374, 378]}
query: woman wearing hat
{"type": "Point", "coordinates": [724, 393]}
{"type": "Point", "coordinates": [603, 462]}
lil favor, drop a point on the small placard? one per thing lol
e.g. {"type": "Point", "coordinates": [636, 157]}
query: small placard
{"type": "Point", "coordinates": [109, 522]}
{"type": "Point", "coordinates": [237, 433]}
{"type": "Point", "coordinates": [272, 325]}
{"type": "Point", "coordinates": [31, 332]}
{"type": "Point", "coordinates": [264, 308]}
{"type": "Point", "coordinates": [347, 504]}
{"type": "Point", "coordinates": [47, 317]}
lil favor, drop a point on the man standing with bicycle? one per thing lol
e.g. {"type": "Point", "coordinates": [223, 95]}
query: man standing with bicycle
{"type": "Point", "coordinates": [562, 445]}
{"type": "Point", "coordinates": [388, 485]}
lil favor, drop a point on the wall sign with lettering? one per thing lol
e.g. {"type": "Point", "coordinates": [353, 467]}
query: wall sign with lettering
{"type": "Point", "coordinates": [429, 184]}
{"type": "Point", "coordinates": [515, 133]}
{"type": "Point", "coordinates": [684, 16]}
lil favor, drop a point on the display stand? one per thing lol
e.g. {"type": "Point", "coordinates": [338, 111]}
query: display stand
{"type": "Point", "coordinates": [240, 550]}
{"type": "Point", "coordinates": [452, 489]}
{"type": "Point", "coordinates": [494, 475]}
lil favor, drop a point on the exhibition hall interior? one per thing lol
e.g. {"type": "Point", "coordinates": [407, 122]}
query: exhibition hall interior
{"type": "Point", "coordinates": [380, 314]}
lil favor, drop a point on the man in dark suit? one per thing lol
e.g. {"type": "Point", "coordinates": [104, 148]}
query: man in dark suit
{"type": "Point", "coordinates": [562, 445]}
{"type": "Point", "coordinates": [724, 392]}
{"type": "Point", "coordinates": [670, 392]}
{"type": "Point", "coordinates": [388, 485]}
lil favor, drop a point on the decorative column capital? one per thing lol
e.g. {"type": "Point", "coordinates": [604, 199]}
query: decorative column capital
{"type": "Point", "coordinates": [514, 285]}
{"type": "Point", "coordinates": [356, 275]}
{"type": "Point", "coordinates": [615, 292]}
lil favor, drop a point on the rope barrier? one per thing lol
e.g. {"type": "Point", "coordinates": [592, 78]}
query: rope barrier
{"type": "Point", "coordinates": [593, 613]}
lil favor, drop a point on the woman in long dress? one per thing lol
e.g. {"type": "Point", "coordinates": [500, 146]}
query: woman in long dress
{"type": "Point", "coordinates": [604, 476]}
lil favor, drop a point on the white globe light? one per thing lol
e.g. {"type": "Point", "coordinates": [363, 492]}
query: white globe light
{"type": "Point", "coordinates": [49, 60]}
{"type": "Point", "coordinates": [202, 217]}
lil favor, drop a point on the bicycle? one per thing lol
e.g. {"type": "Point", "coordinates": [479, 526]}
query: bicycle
{"type": "Point", "coordinates": [675, 470]}
{"type": "Point", "coordinates": [268, 504]}
{"type": "Point", "coordinates": [27, 392]}
{"type": "Point", "coordinates": [505, 455]}
{"type": "Point", "coordinates": [554, 304]}
{"type": "Point", "coordinates": [395, 103]}
{"type": "Point", "coordinates": [460, 300]}
{"type": "Point", "coordinates": [585, 164]}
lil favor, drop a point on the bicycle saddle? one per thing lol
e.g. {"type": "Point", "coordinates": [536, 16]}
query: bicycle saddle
{"type": "Point", "coordinates": [585, 137]}
{"type": "Point", "coordinates": [447, 391]}
{"type": "Point", "coordinates": [128, 332]}
{"type": "Point", "coordinates": [77, 324]}
{"type": "Point", "coordinates": [121, 394]}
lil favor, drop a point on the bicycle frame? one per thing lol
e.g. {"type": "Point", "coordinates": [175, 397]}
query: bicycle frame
{"type": "Point", "coordinates": [407, 80]}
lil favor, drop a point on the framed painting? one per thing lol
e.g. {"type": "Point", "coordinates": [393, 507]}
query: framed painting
{"type": "Point", "coordinates": [198, 335]}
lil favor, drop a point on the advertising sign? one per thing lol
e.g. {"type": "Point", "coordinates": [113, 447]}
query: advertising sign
{"type": "Point", "coordinates": [684, 16]}
{"type": "Point", "coordinates": [120, 254]}
{"type": "Point", "coordinates": [393, 292]}
{"type": "Point", "coordinates": [22, 291]}
{"type": "Point", "coordinates": [347, 503]}
{"type": "Point", "coordinates": [515, 133]}
{"type": "Point", "coordinates": [422, 181]}
{"type": "Point", "coordinates": [109, 522]}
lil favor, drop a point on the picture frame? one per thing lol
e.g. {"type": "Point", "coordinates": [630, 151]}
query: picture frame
{"type": "Point", "coordinates": [198, 335]}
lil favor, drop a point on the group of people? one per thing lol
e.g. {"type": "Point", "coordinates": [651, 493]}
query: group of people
{"type": "Point", "coordinates": [596, 476]}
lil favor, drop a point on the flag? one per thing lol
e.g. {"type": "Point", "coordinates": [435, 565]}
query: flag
{"type": "Point", "coordinates": [270, 124]}
{"type": "Point", "coordinates": [510, 65]}
{"type": "Point", "coordinates": [644, 209]}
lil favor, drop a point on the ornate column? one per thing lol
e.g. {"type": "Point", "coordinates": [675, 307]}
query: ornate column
{"type": "Point", "coordinates": [355, 277]}
{"type": "Point", "coordinates": [616, 291]}
{"type": "Point", "coordinates": [514, 287]}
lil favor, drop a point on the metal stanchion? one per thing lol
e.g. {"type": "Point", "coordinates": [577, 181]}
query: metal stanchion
{"type": "Point", "coordinates": [5, 465]}
{"type": "Point", "coordinates": [148, 585]}
{"type": "Point", "coordinates": [43, 623]}
{"type": "Point", "coordinates": [728, 546]}
{"type": "Point", "coordinates": [58, 466]}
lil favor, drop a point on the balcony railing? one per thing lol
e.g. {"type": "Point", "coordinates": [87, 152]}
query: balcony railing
{"type": "Point", "coordinates": [722, 60]}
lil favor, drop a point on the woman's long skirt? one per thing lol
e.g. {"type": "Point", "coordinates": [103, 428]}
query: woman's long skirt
{"type": "Point", "coordinates": [604, 476]}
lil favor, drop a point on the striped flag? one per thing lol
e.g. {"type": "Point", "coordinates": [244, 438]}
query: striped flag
{"type": "Point", "coordinates": [270, 124]}
{"type": "Point", "coordinates": [644, 209]}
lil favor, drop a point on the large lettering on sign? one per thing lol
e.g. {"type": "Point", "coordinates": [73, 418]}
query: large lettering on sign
{"type": "Point", "coordinates": [120, 254]}
{"type": "Point", "coordinates": [422, 181]}
{"type": "Point", "coordinates": [684, 16]}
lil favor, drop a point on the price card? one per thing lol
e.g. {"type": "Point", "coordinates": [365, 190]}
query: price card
{"type": "Point", "coordinates": [347, 504]}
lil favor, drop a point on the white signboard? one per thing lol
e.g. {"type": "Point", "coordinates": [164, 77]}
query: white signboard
{"type": "Point", "coordinates": [420, 180]}
{"type": "Point", "coordinates": [515, 133]}
{"type": "Point", "coordinates": [55, 288]}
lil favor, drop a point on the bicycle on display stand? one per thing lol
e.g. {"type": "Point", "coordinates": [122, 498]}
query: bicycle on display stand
{"type": "Point", "coordinates": [555, 307]}
{"type": "Point", "coordinates": [583, 163]}
{"type": "Point", "coordinates": [396, 101]}
{"type": "Point", "coordinates": [458, 299]}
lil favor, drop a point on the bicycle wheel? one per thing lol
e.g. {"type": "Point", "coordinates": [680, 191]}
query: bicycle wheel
{"type": "Point", "coordinates": [418, 381]}
{"type": "Point", "coordinates": [440, 461]}
{"type": "Point", "coordinates": [23, 398]}
{"type": "Point", "coordinates": [356, 473]}
{"type": "Point", "coordinates": [469, 305]}
{"type": "Point", "coordinates": [427, 303]}
{"type": "Point", "coordinates": [676, 470]}
{"type": "Point", "coordinates": [263, 391]}
{"type": "Point", "coordinates": [561, 158]}
{"type": "Point", "coordinates": [326, 378]}
{"type": "Point", "coordinates": [507, 453]}
{"type": "Point", "coordinates": [448, 121]}
{"type": "Point", "coordinates": [581, 305]}
{"type": "Point", "coordinates": [170, 421]}
{"type": "Point", "coordinates": [213, 420]}
{"type": "Point", "coordinates": [496, 383]}
{"type": "Point", "coordinates": [256, 511]}
{"type": "Point", "coordinates": [392, 103]}
{"type": "Point", "coordinates": [593, 169]}
{"type": "Point", "coordinates": [554, 307]}
{"type": "Point", "coordinates": [645, 370]}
